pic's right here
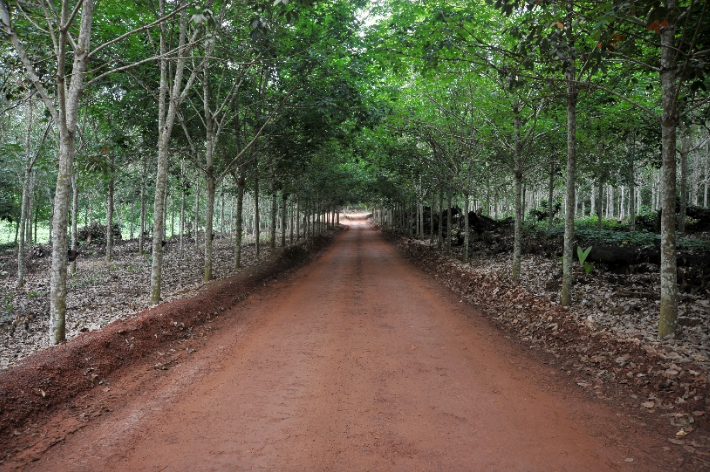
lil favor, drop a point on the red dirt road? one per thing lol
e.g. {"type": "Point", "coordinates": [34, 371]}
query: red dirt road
{"type": "Point", "coordinates": [355, 362]}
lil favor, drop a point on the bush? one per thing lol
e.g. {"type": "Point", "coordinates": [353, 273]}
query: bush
{"type": "Point", "coordinates": [96, 233]}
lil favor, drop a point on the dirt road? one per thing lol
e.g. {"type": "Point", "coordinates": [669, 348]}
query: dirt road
{"type": "Point", "coordinates": [356, 362]}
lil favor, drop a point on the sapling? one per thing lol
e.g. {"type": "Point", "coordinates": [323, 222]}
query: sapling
{"type": "Point", "coordinates": [582, 255]}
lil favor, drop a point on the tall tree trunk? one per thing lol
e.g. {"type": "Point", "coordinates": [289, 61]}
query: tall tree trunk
{"type": "Point", "coordinates": [600, 197]}
{"type": "Point", "coordinates": [210, 144]}
{"type": "Point", "coordinates": [26, 181]}
{"type": "Point", "coordinates": [284, 215]}
{"type": "Point", "coordinates": [141, 236]}
{"type": "Point", "coordinates": [467, 228]}
{"type": "Point", "coordinates": [22, 225]}
{"type": "Point", "coordinates": [109, 216]}
{"type": "Point", "coordinates": [572, 96]}
{"type": "Point", "coordinates": [441, 217]}
{"type": "Point", "coordinates": [707, 175]}
{"type": "Point", "coordinates": [551, 195]}
{"type": "Point", "coordinates": [685, 144]}
{"type": "Point", "coordinates": [448, 225]}
{"type": "Point", "coordinates": [209, 224]}
{"type": "Point", "coordinates": [168, 102]}
{"type": "Point", "coordinates": [298, 219]}
{"type": "Point", "coordinates": [182, 221]}
{"type": "Point", "coordinates": [257, 220]}
{"type": "Point", "coordinates": [238, 230]}
{"type": "Point", "coordinates": [668, 319]}
{"type": "Point", "coordinates": [67, 125]}
{"type": "Point", "coordinates": [30, 209]}
{"type": "Point", "coordinates": [274, 214]}
{"type": "Point", "coordinates": [221, 209]}
{"type": "Point", "coordinates": [632, 189]}
{"type": "Point", "coordinates": [518, 179]}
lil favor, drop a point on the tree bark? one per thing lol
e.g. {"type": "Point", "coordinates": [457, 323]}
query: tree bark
{"type": "Point", "coordinates": [448, 226]}
{"type": "Point", "coordinates": [109, 213]}
{"type": "Point", "coordinates": [685, 145]}
{"type": "Point", "coordinates": [274, 214]}
{"type": "Point", "coordinates": [551, 195]}
{"type": "Point", "coordinates": [141, 236]}
{"type": "Point", "coordinates": [668, 319]}
{"type": "Point", "coordinates": [284, 215]}
{"type": "Point", "coordinates": [518, 179]}
{"type": "Point", "coordinates": [74, 221]}
{"type": "Point", "coordinates": [441, 217]}
{"type": "Point", "coordinates": [570, 76]}
{"type": "Point", "coordinates": [257, 220]}
{"type": "Point", "coordinates": [238, 230]}
{"type": "Point", "coordinates": [166, 119]}
{"type": "Point", "coordinates": [467, 228]}
{"type": "Point", "coordinates": [22, 224]}
{"type": "Point", "coordinates": [298, 219]}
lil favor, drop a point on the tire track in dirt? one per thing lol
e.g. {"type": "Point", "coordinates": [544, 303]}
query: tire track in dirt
{"type": "Point", "coordinates": [359, 362]}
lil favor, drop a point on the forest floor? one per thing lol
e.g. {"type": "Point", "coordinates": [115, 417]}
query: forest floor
{"type": "Point", "coordinates": [357, 361]}
{"type": "Point", "coordinates": [101, 292]}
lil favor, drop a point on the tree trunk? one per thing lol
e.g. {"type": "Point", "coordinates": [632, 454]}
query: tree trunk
{"type": "Point", "coordinates": [274, 214]}
{"type": "Point", "coordinates": [221, 209]}
{"type": "Point", "coordinates": [448, 226]}
{"type": "Point", "coordinates": [570, 73]}
{"type": "Point", "coordinates": [707, 175]}
{"type": "Point", "coordinates": [291, 222]}
{"type": "Point", "coordinates": [209, 224]}
{"type": "Point", "coordinates": [298, 219]}
{"type": "Point", "coordinates": [30, 209]}
{"type": "Point", "coordinates": [196, 216]}
{"type": "Point", "coordinates": [518, 179]}
{"type": "Point", "coordinates": [632, 191]}
{"type": "Point", "coordinates": [182, 221]}
{"type": "Point", "coordinates": [668, 319]}
{"type": "Point", "coordinates": [467, 228]}
{"type": "Point", "coordinates": [684, 151]}
{"type": "Point", "coordinates": [166, 119]}
{"type": "Point", "coordinates": [441, 217]}
{"type": "Point", "coordinates": [238, 230]}
{"type": "Point", "coordinates": [74, 221]}
{"type": "Point", "coordinates": [109, 217]}
{"type": "Point", "coordinates": [600, 198]}
{"type": "Point", "coordinates": [141, 236]}
{"type": "Point", "coordinates": [284, 215]}
{"type": "Point", "coordinates": [551, 195]}
{"type": "Point", "coordinates": [257, 222]}
{"type": "Point", "coordinates": [21, 226]}
{"type": "Point", "coordinates": [67, 124]}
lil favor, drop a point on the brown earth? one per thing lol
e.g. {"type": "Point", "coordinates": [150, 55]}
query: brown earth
{"type": "Point", "coordinates": [355, 362]}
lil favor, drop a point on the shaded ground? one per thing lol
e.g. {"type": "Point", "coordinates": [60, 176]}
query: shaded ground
{"type": "Point", "coordinates": [356, 362]}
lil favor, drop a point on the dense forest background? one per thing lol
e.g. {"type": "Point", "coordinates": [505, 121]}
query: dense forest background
{"type": "Point", "coordinates": [255, 122]}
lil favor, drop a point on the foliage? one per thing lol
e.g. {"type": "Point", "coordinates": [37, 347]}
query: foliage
{"type": "Point", "coordinates": [582, 255]}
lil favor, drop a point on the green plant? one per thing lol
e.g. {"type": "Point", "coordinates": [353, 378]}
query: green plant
{"type": "Point", "coordinates": [582, 255]}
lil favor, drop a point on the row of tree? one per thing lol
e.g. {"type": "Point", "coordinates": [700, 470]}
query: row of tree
{"type": "Point", "coordinates": [256, 99]}
{"type": "Point", "coordinates": [521, 94]}
{"type": "Point", "coordinates": [307, 105]}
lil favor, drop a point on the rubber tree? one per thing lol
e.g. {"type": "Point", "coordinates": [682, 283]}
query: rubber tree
{"type": "Point", "coordinates": [32, 152]}
{"type": "Point", "coordinates": [69, 44]}
{"type": "Point", "coordinates": [173, 89]}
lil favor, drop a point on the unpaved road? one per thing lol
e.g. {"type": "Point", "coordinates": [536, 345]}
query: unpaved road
{"type": "Point", "coordinates": [356, 362]}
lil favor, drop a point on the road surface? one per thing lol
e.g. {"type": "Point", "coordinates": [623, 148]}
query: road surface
{"type": "Point", "coordinates": [356, 362]}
